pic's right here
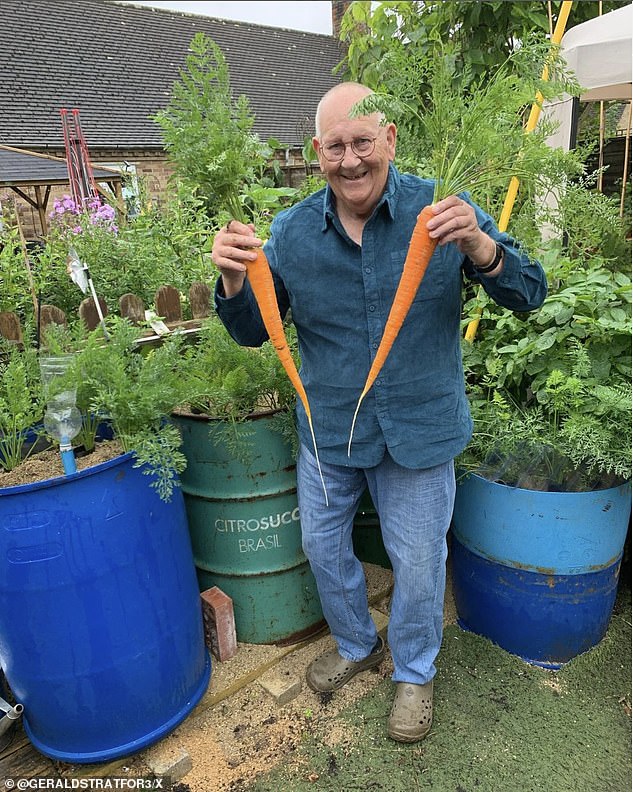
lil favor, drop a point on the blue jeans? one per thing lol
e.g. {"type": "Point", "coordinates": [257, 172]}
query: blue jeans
{"type": "Point", "coordinates": [415, 508]}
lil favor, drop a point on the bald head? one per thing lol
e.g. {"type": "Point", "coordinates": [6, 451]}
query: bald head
{"type": "Point", "coordinates": [336, 104]}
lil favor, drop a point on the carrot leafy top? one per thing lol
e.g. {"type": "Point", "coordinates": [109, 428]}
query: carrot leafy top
{"type": "Point", "coordinates": [469, 134]}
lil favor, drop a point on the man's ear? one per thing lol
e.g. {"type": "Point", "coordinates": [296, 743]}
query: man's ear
{"type": "Point", "coordinates": [316, 145]}
{"type": "Point", "coordinates": [392, 134]}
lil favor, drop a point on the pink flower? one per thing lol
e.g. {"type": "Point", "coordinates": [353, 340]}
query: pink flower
{"type": "Point", "coordinates": [94, 212]}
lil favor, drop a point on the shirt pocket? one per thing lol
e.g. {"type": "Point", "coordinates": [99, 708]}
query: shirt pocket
{"type": "Point", "coordinates": [434, 283]}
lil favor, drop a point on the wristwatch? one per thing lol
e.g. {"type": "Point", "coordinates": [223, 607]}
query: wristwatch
{"type": "Point", "coordinates": [494, 263]}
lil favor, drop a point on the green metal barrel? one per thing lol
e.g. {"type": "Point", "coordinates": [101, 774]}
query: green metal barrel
{"type": "Point", "coordinates": [367, 536]}
{"type": "Point", "coordinates": [245, 530]}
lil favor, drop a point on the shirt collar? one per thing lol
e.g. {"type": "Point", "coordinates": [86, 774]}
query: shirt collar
{"type": "Point", "coordinates": [388, 198]}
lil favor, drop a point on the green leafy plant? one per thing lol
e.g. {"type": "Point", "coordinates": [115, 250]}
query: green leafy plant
{"type": "Point", "coordinates": [135, 389]}
{"type": "Point", "coordinates": [467, 133]}
{"type": "Point", "coordinates": [131, 389]}
{"type": "Point", "coordinates": [21, 404]}
{"type": "Point", "coordinates": [208, 135]}
{"type": "Point", "coordinates": [161, 245]}
{"type": "Point", "coordinates": [230, 384]}
{"type": "Point", "coordinates": [550, 392]}
{"type": "Point", "coordinates": [15, 294]}
{"type": "Point", "coordinates": [483, 33]}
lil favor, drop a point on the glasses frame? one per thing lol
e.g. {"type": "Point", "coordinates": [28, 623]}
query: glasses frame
{"type": "Point", "coordinates": [350, 144]}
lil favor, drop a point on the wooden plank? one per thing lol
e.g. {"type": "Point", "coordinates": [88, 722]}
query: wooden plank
{"type": "Point", "coordinates": [41, 207]}
{"type": "Point", "coordinates": [88, 312]}
{"type": "Point", "coordinates": [51, 314]}
{"type": "Point", "coordinates": [200, 300]}
{"type": "Point", "coordinates": [167, 304]}
{"type": "Point", "coordinates": [101, 770]}
{"type": "Point", "coordinates": [12, 740]}
{"type": "Point", "coordinates": [10, 327]}
{"type": "Point", "coordinates": [21, 760]}
{"type": "Point", "coordinates": [131, 307]}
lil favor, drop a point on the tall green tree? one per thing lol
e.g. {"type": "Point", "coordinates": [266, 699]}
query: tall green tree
{"type": "Point", "coordinates": [484, 32]}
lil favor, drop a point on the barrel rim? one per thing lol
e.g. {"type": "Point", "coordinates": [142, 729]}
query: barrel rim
{"type": "Point", "coordinates": [479, 478]}
{"type": "Point", "coordinates": [205, 418]}
{"type": "Point", "coordinates": [57, 481]}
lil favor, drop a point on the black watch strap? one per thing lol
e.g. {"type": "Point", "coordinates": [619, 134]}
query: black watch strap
{"type": "Point", "coordinates": [494, 263]}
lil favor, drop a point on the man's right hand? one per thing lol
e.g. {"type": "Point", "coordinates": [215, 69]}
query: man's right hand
{"type": "Point", "coordinates": [231, 252]}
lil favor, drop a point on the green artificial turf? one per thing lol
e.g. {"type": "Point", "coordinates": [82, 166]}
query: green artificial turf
{"type": "Point", "coordinates": [500, 725]}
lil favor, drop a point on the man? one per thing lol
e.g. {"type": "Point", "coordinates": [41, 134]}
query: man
{"type": "Point", "coordinates": [336, 258]}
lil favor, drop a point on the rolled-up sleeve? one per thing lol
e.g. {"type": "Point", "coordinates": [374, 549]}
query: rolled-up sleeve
{"type": "Point", "coordinates": [240, 315]}
{"type": "Point", "coordinates": [522, 283]}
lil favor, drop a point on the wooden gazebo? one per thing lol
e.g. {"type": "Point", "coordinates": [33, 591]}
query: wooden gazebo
{"type": "Point", "coordinates": [20, 169]}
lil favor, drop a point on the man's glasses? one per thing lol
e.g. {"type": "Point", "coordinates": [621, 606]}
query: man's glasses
{"type": "Point", "coordinates": [361, 146]}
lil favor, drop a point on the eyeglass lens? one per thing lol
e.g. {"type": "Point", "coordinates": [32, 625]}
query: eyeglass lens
{"type": "Point", "coordinates": [362, 147]}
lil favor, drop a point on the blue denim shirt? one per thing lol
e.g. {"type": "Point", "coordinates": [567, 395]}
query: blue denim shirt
{"type": "Point", "coordinates": [340, 294]}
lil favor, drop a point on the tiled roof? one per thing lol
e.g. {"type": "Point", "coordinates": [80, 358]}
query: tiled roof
{"type": "Point", "coordinates": [117, 64]}
{"type": "Point", "coordinates": [20, 168]}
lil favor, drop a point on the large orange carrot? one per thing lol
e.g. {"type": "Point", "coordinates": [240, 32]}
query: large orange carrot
{"type": "Point", "coordinates": [421, 248]}
{"type": "Point", "coordinates": [261, 280]}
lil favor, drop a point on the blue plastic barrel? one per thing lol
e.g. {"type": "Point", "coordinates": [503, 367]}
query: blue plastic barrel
{"type": "Point", "coordinates": [101, 635]}
{"type": "Point", "coordinates": [537, 572]}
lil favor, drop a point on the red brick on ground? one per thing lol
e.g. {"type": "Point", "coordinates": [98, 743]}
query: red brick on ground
{"type": "Point", "coordinates": [219, 623]}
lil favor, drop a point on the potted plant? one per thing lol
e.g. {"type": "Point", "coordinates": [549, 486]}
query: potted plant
{"type": "Point", "coordinates": [240, 442]}
{"type": "Point", "coordinates": [241, 496]}
{"type": "Point", "coordinates": [544, 502]}
{"type": "Point", "coordinates": [101, 636]}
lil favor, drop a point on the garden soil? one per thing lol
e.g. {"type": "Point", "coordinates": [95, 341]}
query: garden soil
{"type": "Point", "coordinates": [500, 725]}
{"type": "Point", "coordinates": [48, 464]}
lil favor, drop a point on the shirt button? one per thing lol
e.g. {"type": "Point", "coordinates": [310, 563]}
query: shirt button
{"type": "Point", "coordinates": [368, 270]}
{"type": "Point", "coordinates": [372, 308]}
{"type": "Point", "coordinates": [374, 345]}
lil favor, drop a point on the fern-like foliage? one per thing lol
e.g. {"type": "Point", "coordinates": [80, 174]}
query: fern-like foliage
{"type": "Point", "coordinates": [159, 455]}
{"type": "Point", "coordinates": [135, 390]}
{"type": "Point", "coordinates": [470, 138]}
{"type": "Point", "coordinates": [575, 436]}
{"type": "Point", "coordinates": [21, 403]}
{"type": "Point", "coordinates": [231, 383]}
{"type": "Point", "coordinates": [207, 133]}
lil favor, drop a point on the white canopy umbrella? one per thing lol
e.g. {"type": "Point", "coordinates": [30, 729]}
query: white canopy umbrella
{"type": "Point", "coordinates": [599, 52]}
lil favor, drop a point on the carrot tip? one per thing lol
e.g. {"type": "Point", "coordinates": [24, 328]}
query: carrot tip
{"type": "Point", "coordinates": [316, 456]}
{"type": "Point", "coordinates": [351, 431]}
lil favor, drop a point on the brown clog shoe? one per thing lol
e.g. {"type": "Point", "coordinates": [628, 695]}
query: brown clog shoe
{"type": "Point", "coordinates": [330, 671]}
{"type": "Point", "coordinates": [412, 712]}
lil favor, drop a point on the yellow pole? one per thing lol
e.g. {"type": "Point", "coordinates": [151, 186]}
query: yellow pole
{"type": "Point", "coordinates": [513, 187]}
